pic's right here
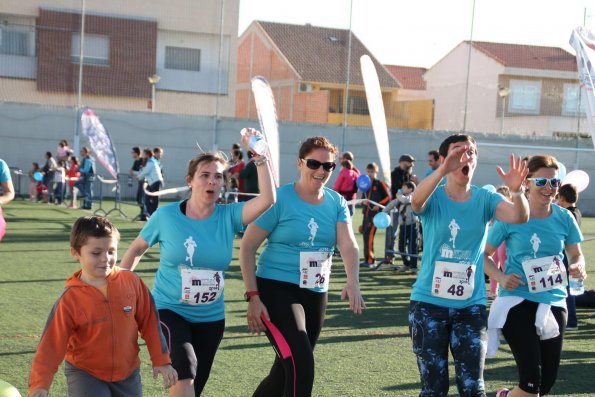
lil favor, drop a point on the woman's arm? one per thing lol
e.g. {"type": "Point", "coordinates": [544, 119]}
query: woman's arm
{"type": "Point", "coordinates": [134, 253]}
{"type": "Point", "coordinates": [350, 255]}
{"type": "Point", "coordinates": [8, 189]}
{"type": "Point", "coordinates": [507, 282]}
{"type": "Point", "coordinates": [576, 261]}
{"type": "Point", "coordinates": [253, 238]}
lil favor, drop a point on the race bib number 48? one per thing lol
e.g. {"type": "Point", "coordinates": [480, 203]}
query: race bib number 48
{"type": "Point", "coordinates": [201, 286]}
{"type": "Point", "coordinates": [544, 274]}
{"type": "Point", "coordinates": [453, 280]}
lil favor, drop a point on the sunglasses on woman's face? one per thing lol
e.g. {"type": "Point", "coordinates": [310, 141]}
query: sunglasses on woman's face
{"type": "Point", "coordinates": [315, 164]}
{"type": "Point", "coordinates": [541, 182]}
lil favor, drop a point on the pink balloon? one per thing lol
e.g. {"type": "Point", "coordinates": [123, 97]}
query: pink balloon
{"type": "Point", "coordinates": [578, 178]}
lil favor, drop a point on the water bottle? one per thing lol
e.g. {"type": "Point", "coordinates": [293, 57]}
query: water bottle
{"type": "Point", "coordinates": [576, 286]}
{"type": "Point", "coordinates": [255, 142]}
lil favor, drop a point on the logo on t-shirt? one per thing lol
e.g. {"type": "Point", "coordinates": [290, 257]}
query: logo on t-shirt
{"type": "Point", "coordinates": [535, 242]}
{"type": "Point", "coordinates": [454, 230]}
{"type": "Point", "coordinates": [190, 245]}
{"type": "Point", "coordinates": [313, 226]}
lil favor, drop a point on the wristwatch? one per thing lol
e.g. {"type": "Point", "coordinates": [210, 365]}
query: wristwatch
{"type": "Point", "coordinates": [249, 294]}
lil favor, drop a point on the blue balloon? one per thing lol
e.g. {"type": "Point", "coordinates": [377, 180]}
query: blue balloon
{"type": "Point", "coordinates": [561, 171]}
{"type": "Point", "coordinates": [489, 188]}
{"type": "Point", "coordinates": [38, 176]}
{"type": "Point", "coordinates": [363, 182]}
{"type": "Point", "coordinates": [382, 220]}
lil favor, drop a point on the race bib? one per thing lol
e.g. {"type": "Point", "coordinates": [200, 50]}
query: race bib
{"type": "Point", "coordinates": [315, 269]}
{"type": "Point", "coordinates": [453, 280]}
{"type": "Point", "coordinates": [200, 286]}
{"type": "Point", "coordinates": [544, 274]}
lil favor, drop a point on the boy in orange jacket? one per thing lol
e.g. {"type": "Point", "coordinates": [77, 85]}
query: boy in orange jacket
{"type": "Point", "coordinates": [94, 325]}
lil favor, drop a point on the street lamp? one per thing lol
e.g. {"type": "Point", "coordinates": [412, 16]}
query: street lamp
{"type": "Point", "coordinates": [503, 92]}
{"type": "Point", "coordinates": [153, 80]}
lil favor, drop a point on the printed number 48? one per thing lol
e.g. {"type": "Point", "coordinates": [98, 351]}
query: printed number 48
{"type": "Point", "coordinates": [205, 297]}
{"type": "Point", "coordinates": [457, 290]}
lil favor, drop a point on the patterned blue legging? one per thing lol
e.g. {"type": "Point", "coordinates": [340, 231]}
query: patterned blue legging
{"type": "Point", "coordinates": [433, 330]}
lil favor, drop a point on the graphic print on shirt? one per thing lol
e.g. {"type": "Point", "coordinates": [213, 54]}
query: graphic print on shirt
{"type": "Point", "coordinates": [535, 242]}
{"type": "Point", "coordinates": [190, 245]}
{"type": "Point", "coordinates": [313, 226]}
{"type": "Point", "coordinates": [454, 230]}
{"type": "Point", "coordinates": [199, 286]}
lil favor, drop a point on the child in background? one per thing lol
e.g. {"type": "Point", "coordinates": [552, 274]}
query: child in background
{"type": "Point", "coordinates": [407, 227]}
{"type": "Point", "coordinates": [94, 325]}
{"type": "Point", "coordinates": [33, 193]}
{"type": "Point", "coordinates": [73, 175]}
{"type": "Point", "coordinates": [499, 256]}
{"type": "Point", "coordinates": [379, 193]}
{"type": "Point", "coordinates": [59, 182]}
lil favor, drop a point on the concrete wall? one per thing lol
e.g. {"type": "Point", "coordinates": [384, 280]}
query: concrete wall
{"type": "Point", "coordinates": [28, 131]}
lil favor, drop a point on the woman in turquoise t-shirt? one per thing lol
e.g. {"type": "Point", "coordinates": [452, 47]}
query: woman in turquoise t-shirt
{"type": "Point", "coordinates": [448, 301]}
{"type": "Point", "coordinates": [535, 278]}
{"type": "Point", "coordinates": [195, 239]}
{"type": "Point", "coordinates": [287, 295]}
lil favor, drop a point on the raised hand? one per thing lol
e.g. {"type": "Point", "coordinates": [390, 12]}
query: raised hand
{"type": "Point", "coordinates": [516, 175]}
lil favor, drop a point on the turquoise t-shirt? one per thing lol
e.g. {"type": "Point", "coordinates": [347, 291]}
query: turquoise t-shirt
{"type": "Point", "coordinates": [454, 240]}
{"type": "Point", "coordinates": [200, 251]}
{"type": "Point", "coordinates": [537, 238]}
{"type": "Point", "coordinates": [4, 171]}
{"type": "Point", "coordinates": [296, 226]}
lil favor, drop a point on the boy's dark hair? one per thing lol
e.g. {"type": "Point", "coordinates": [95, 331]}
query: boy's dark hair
{"type": "Point", "coordinates": [372, 166]}
{"type": "Point", "coordinates": [443, 150]}
{"type": "Point", "coordinates": [410, 185]}
{"type": "Point", "coordinates": [91, 226]}
{"type": "Point", "coordinates": [136, 150]}
{"type": "Point", "coordinates": [435, 154]}
{"type": "Point", "coordinates": [569, 193]}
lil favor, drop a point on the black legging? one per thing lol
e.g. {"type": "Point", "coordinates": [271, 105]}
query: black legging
{"type": "Point", "coordinates": [292, 376]}
{"type": "Point", "coordinates": [537, 360]}
{"type": "Point", "coordinates": [192, 346]}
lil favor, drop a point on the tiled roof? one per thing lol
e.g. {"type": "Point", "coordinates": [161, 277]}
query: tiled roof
{"type": "Point", "coordinates": [410, 77]}
{"type": "Point", "coordinates": [528, 56]}
{"type": "Point", "coordinates": [320, 54]}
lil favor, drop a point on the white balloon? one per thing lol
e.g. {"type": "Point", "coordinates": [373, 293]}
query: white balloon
{"type": "Point", "coordinates": [561, 170]}
{"type": "Point", "coordinates": [578, 178]}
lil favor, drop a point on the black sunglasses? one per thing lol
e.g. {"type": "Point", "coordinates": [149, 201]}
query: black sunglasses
{"type": "Point", "coordinates": [541, 182]}
{"type": "Point", "coordinates": [315, 164]}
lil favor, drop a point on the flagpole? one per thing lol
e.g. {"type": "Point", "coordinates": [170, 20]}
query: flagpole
{"type": "Point", "coordinates": [77, 136]}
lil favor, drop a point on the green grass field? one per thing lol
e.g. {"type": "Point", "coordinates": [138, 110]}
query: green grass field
{"type": "Point", "coordinates": [368, 355]}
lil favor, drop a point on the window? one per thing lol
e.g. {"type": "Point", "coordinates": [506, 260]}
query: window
{"type": "Point", "coordinates": [571, 101]}
{"type": "Point", "coordinates": [357, 105]}
{"type": "Point", "coordinates": [181, 58]}
{"type": "Point", "coordinates": [96, 49]}
{"type": "Point", "coordinates": [16, 42]}
{"type": "Point", "coordinates": [525, 96]}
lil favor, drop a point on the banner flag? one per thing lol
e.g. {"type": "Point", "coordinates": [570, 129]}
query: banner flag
{"type": "Point", "coordinates": [100, 141]}
{"type": "Point", "coordinates": [583, 41]}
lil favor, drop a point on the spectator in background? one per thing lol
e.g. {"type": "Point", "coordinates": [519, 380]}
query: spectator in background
{"type": "Point", "coordinates": [567, 198]}
{"type": "Point", "coordinates": [48, 170]}
{"type": "Point", "coordinates": [407, 221]}
{"type": "Point", "coordinates": [157, 155]}
{"type": "Point", "coordinates": [63, 151]}
{"type": "Point", "coordinates": [72, 175]}
{"type": "Point", "coordinates": [345, 184]}
{"type": "Point", "coordinates": [379, 193]}
{"type": "Point", "coordinates": [401, 174]}
{"type": "Point", "coordinates": [250, 178]}
{"type": "Point", "coordinates": [33, 194]}
{"type": "Point", "coordinates": [349, 156]}
{"type": "Point", "coordinates": [433, 162]}
{"type": "Point", "coordinates": [152, 173]}
{"type": "Point", "coordinates": [137, 163]}
{"type": "Point", "coordinates": [233, 172]}
{"type": "Point", "coordinates": [85, 182]}
{"type": "Point", "coordinates": [59, 182]}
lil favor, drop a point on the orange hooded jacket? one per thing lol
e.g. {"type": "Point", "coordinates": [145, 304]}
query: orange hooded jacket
{"type": "Point", "coordinates": [97, 334]}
